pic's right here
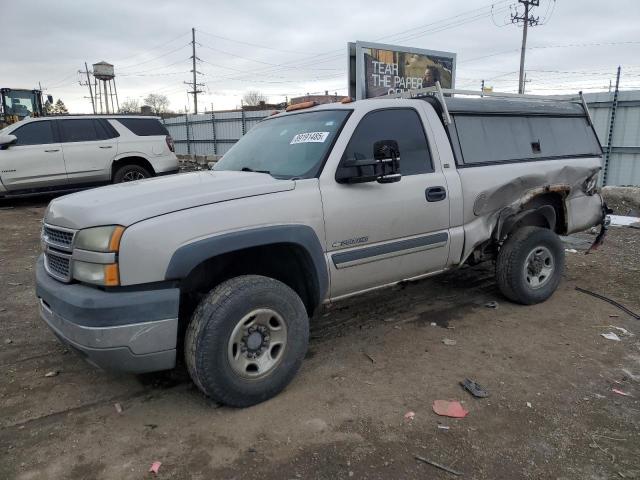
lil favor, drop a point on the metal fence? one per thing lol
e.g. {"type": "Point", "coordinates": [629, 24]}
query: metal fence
{"type": "Point", "coordinates": [622, 167]}
{"type": "Point", "coordinates": [211, 133]}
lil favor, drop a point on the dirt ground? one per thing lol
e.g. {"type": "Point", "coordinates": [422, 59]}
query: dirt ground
{"type": "Point", "coordinates": [551, 413]}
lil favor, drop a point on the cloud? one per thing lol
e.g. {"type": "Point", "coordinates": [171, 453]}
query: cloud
{"type": "Point", "coordinates": [147, 42]}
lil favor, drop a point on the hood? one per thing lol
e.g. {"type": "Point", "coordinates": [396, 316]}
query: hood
{"type": "Point", "coordinates": [128, 203]}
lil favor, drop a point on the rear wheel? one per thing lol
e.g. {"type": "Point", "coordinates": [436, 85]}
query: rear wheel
{"type": "Point", "coordinates": [246, 340]}
{"type": "Point", "coordinates": [530, 265]}
{"type": "Point", "coordinates": [130, 173]}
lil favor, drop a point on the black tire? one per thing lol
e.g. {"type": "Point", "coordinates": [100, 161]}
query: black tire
{"type": "Point", "coordinates": [515, 280]}
{"type": "Point", "coordinates": [218, 316]}
{"type": "Point", "coordinates": [129, 173]}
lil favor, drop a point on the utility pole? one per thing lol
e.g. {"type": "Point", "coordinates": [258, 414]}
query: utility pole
{"type": "Point", "coordinates": [482, 89]}
{"type": "Point", "coordinates": [527, 21]}
{"type": "Point", "coordinates": [86, 72]}
{"type": "Point", "coordinates": [194, 83]}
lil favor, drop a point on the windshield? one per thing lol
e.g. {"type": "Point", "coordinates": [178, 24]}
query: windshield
{"type": "Point", "coordinates": [292, 146]}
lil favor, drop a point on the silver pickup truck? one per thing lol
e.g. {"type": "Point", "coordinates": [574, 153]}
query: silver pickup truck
{"type": "Point", "coordinates": [314, 205]}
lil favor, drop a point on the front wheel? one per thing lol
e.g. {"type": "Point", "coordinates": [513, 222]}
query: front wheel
{"type": "Point", "coordinates": [246, 340]}
{"type": "Point", "coordinates": [530, 265]}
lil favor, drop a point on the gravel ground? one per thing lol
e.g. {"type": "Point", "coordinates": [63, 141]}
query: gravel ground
{"type": "Point", "coordinates": [551, 412]}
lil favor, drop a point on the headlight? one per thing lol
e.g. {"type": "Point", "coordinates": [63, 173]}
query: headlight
{"type": "Point", "coordinates": [96, 273]}
{"type": "Point", "coordinates": [100, 239]}
{"type": "Point", "coordinates": [100, 269]}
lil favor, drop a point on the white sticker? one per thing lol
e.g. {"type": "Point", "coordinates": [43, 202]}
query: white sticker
{"type": "Point", "coordinates": [310, 137]}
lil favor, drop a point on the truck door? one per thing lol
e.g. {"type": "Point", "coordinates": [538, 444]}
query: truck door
{"type": "Point", "coordinates": [35, 160]}
{"type": "Point", "coordinates": [380, 233]}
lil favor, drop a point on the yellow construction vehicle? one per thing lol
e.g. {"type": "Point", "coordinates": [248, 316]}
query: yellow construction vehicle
{"type": "Point", "coordinates": [16, 104]}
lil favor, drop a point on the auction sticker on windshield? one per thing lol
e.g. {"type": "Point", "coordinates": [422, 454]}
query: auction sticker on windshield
{"type": "Point", "coordinates": [309, 137]}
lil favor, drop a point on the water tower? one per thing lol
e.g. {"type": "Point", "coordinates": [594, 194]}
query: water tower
{"type": "Point", "coordinates": [105, 87]}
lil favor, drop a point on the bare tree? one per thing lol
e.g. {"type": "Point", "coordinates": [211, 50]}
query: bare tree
{"type": "Point", "coordinates": [130, 105]}
{"type": "Point", "coordinates": [253, 98]}
{"type": "Point", "coordinates": [158, 103]}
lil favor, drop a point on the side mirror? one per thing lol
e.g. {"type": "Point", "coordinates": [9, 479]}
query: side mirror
{"type": "Point", "coordinates": [6, 140]}
{"type": "Point", "coordinates": [50, 99]}
{"type": "Point", "coordinates": [384, 167]}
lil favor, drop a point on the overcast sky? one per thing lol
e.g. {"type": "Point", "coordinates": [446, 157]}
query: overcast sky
{"type": "Point", "coordinates": [286, 48]}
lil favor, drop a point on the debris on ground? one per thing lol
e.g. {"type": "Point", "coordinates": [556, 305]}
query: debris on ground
{"type": "Point", "coordinates": [529, 405]}
{"type": "Point", "coordinates": [611, 336]}
{"type": "Point", "coordinates": [623, 220]}
{"type": "Point", "coordinates": [52, 373]}
{"type": "Point", "coordinates": [14, 284]}
{"type": "Point", "coordinates": [624, 331]}
{"type": "Point", "coordinates": [474, 388]}
{"type": "Point", "coordinates": [438, 465]}
{"type": "Point", "coordinates": [8, 341]}
{"type": "Point", "coordinates": [620, 392]}
{"type": "Point", "coordinates": [491, 305]}
{"type": "Point", "coordinates": [118, 407]}
{"type": "Point", "coordinates": [449, 342]}
{"type": "Point", "coordinates": [155, 466]}
{"type": "Point", "coordinates": [373, 360]}
{"type": "Point", "coordinates": [571, 250]}
{"type": "Point", "coordinates": [443, 427]}
{"type": "Point", "coordinates": [446, 408]}
{"type": "Point", "coordinates": [409, 416]}
{"type": "Point", "coordinates": [608, 300]}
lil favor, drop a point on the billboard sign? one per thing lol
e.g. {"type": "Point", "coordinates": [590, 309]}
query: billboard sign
{"type": "Point", "coordinates": [377, 69]}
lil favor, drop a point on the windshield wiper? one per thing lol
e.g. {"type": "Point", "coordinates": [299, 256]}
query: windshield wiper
{"type": "Point", "coordinates": [247, 169]}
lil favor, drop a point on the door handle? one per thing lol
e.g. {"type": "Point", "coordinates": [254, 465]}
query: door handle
{"type": "Point", "coordinates": [53, 150]}
{"type": "Point", "coordinates": [107, 146]}
{"type": "Point", "coordinates": [435, 194]}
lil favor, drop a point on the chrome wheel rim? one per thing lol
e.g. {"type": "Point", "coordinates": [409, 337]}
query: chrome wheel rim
{"type": "Point", "coordinates": [538, 267]}
{"type": "Point", "coordinates": [257, 344]}
{"type": "Point", "coordinates": [132, 176]}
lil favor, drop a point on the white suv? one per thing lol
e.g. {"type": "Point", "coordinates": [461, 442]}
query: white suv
{"type": "Point", "coordinates": [72, 152]}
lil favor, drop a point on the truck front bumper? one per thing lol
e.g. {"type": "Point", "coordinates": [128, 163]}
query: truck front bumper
{"type": "Point", "coordinates": [127, 331]}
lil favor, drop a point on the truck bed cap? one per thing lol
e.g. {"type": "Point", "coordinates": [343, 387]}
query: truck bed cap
{"type": "Point", "coordinates": [507, 106]}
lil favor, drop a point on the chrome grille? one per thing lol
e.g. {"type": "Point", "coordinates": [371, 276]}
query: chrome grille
{"type": "Point", "coordinates": [58, 265]}
{"type": "Point", "coordinates": [58, 237]}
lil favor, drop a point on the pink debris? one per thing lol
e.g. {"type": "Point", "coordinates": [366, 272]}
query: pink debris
{"type": "Point", "coordinates": [155, 466]}
{"type": "Point", "coordinates": [409, 416]}
{"type": "Point", "coordinates": [446, 408]}
{"type": "Point", "coordinates": [620, 392]}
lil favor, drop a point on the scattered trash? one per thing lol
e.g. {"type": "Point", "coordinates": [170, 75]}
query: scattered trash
{"type": "Point", "coordinates": [155, 466]}
{"type": "Point", "coordinates": [608, 300]}
{"type": "Point", "coordinates": [443, 427]}
{"type": "Point", "coordinates": [474, 388]}
{"type": "Point", "coordinates": [14, 284]}
{"type": "Point", "coordinates": [437, 465]}
{"type": "Point", "coordinates": [373, 360]}
{"type": "Point", "coordinates": [451, 409]}
{"type": "Point", "coordinates": [434, 324]}
{"type": "Point", "coordinates": [610, 336]}
{"type": "Point", "coordinates": [449, 342]}
{"type": "Point", "coordinates": [118, 407]}
{"type": "Point", "coordinates": [52, 373]}
{"type": "Point", "coordinates": [491, 305]}
{"type": "Point", "coordinates": [8, 341]}
{"type": "Point", "coordinates": [620, 392]}
{"type": "Point", "coordinates": [624, 331]}
{"type": "Point", "coordinates": [409, 416]}
{"type": "Point", "coordinates": [613, 315]}
{"type": "Point", "coordinates": [623, 220]}
{"type": "Point", "coordinates": [152, 426]}
{"type": "Point", "coordinates": [529, 405]}
{"type": "Point", "coordinates": [571, 250]}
